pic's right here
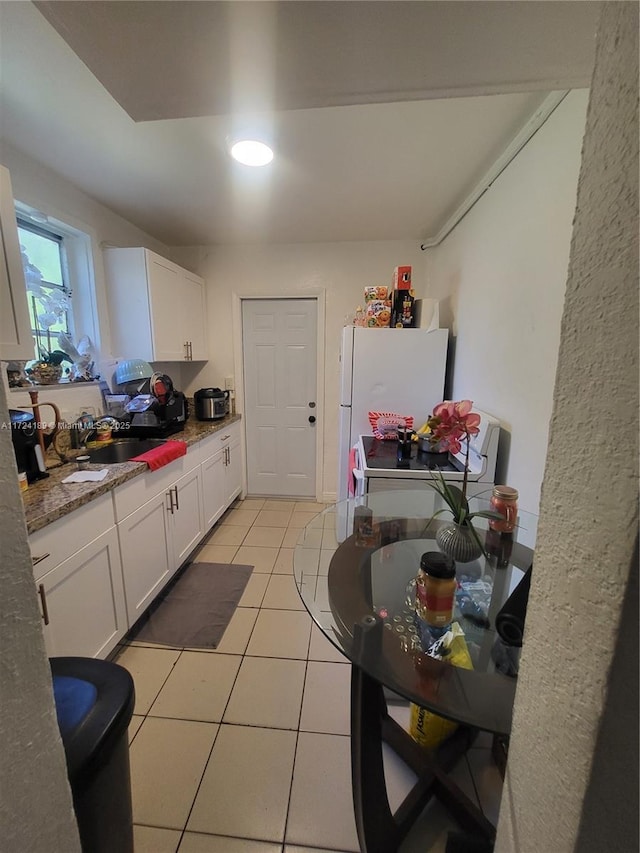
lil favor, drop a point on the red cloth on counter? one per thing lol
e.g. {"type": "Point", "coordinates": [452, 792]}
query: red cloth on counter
{"type": "Point", "coordinates": [162, 455]}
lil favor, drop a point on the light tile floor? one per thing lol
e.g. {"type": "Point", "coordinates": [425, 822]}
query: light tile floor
{"type": "Point", "coordinates": [245, 749]}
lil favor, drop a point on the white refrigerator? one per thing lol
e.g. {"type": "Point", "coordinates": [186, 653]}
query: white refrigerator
{"type": "Point", "coordinates": [386, 370]}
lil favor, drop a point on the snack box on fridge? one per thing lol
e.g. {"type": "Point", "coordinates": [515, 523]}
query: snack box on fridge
{"type": "Point", "coordinates": [376, 293]}
{"type": "Point", "coordinates": [402, 278]}
{"type": "Point", "coordinates": [378, 313]}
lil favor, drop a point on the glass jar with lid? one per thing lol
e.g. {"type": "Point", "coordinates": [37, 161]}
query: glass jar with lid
{"type": "Point", "coordinates": [504, 500]}
{"type": "Point", "coordinates": [435, 591]}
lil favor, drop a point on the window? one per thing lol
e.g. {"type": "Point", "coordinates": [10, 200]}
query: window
{"type": "Point", "coordinates": [48, 291]}
{"type": "Point", "coordinates": [58, 263]}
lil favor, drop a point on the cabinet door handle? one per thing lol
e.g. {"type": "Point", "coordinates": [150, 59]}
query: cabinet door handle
{"type": "Point", "coordinates": [190, 350]}
{"type": "Point", "coordinates": [186, 350]}
{"type": "Point", "coordinates": [170, 496]}
{"type": "Point", "coordinates": [43, 599]}
{"type": "Point", "coordinates": [177, 502]}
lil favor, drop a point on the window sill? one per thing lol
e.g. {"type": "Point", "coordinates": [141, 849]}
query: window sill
{"type": "Point", "coordinates": [56, 385]}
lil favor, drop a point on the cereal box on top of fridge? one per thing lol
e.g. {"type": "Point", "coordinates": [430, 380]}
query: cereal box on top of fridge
{"type": "Point", "coordinates": [402, 278]}
{"type": "Point", "coordinates": [378, 313]}
{"type": "Point", "coordinates": [372, 293]}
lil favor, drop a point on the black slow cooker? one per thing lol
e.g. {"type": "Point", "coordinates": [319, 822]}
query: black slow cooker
{"type": "Point", "coordinates": [211, 404]}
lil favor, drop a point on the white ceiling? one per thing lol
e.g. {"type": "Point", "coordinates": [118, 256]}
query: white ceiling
{"type": "Point", "coordinates": [384, 115]}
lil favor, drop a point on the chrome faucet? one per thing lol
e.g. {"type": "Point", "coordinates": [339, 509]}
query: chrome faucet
{"type": "Point", "coordinates": [82, 435]}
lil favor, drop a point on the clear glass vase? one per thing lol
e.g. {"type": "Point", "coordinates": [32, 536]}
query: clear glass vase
{"type": "Point", "coordinates": [458, 542]}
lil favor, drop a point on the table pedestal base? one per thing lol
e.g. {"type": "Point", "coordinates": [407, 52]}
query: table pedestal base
{"type": "Point", "coordinates": [380, 830]}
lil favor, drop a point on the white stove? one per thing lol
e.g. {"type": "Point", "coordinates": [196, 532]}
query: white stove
{"type": "Point", "coordinates": [377, 468]}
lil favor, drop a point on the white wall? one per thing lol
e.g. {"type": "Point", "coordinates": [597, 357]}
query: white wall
{"type": "Point", "coordinates": [342, 270]}
{"type": "Point", "coordinates": [500, 276]}
{"type": "Point", "coordinates": [572, 774]}
{"type": "Point", "coordinates": [39, 187]}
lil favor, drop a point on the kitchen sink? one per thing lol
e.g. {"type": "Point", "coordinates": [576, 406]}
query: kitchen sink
{"type": "Point", "coordinates": [122, 450]}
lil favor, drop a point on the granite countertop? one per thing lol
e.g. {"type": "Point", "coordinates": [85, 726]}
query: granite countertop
{"type": "Point", "coordinates": [50, 499]}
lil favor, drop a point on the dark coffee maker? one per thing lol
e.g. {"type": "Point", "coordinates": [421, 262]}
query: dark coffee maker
{"type": "Point", "coordinates": [25, 445]}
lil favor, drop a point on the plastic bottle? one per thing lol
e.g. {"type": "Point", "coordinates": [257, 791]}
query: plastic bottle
{"type": "Point", "coordinates": [435, 592]}
{"type": "Point", "coordinates": [505, 501]}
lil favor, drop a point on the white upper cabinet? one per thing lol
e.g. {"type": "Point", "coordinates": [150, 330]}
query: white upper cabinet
{"type": "Point", "coordinates": [193, 316]}
{"type": "Point", "coordinates": [157, 309]}
{"type": "Point", "coordinates": [165, 298]}
{"type": "Point", "coordinates": [16, 341]}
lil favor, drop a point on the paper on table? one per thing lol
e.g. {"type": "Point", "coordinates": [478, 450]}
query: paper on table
{"type": "Point", "coordinates": [86, 476]}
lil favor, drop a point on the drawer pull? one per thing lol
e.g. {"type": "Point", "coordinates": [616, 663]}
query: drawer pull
{"type": "Point", "coordinates": [36, 560]}
{"type": "Point", "coordinates": [43, 599]}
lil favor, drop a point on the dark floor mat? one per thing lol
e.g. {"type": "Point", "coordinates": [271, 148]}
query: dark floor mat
{"type": "Point", "coordinates": [197, 608]}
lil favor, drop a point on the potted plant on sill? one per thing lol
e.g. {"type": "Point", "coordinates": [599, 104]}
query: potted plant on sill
{"type": "Point", "coordinates": [451, 424]}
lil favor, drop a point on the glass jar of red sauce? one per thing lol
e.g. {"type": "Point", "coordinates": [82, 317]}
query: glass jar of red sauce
{"type": "Point", "coordinates": [505, 501]}
{"type": "Point", "coordinates": [436, 589]}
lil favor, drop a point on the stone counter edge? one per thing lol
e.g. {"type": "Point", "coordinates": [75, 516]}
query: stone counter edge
{"type": "Point", "coordinates": [48, 500]}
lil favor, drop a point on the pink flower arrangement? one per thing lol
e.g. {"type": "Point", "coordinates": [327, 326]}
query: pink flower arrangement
{"type": "Point", "coordinates": [452, 424]}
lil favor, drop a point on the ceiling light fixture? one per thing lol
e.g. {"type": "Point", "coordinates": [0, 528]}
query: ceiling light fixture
{"type": "Point", "coordinates": [250, 152]}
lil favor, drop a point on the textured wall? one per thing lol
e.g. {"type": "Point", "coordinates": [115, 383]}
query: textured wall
{"type": "Point", "coordinates": [36, 814]}
{"type": "Point", "coordinates": [586, 556]}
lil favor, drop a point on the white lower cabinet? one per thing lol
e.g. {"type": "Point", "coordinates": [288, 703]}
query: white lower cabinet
{"type": "Point", "coordinates": [96, 578]}
{"type": "Point", "coordinates": [186, 517]}
{"type": "Point", "coordinates": [157, 538]}
{"type": "Point", "coordinates": [147, 560]}
{"type": "Point", "coordinates": [82, 601]}
{"type": "Point", "coordinates": [233, 470]}
{"type": "Point", "coordinates": [213, 488]}
{"type": "Point", "coordinates": [221, 474]}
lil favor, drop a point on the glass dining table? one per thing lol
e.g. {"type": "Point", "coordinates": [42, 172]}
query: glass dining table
{"type": "Point", "coordinates": [355, 568]}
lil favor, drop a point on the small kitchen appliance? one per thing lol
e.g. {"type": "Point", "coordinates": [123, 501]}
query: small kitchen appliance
{"type": "Point", "coordinates": [211, 404]}
{"type": "Point", "coordinates": [156, 414]}
{"type": "Point", "coordinates": [26, 446]}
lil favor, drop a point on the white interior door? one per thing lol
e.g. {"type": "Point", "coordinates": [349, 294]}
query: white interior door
{"type": "Point", "coordinates": [279, 342]}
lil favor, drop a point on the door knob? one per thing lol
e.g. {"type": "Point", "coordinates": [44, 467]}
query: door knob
{"type": "Point", "coordinates": [312, 420]}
